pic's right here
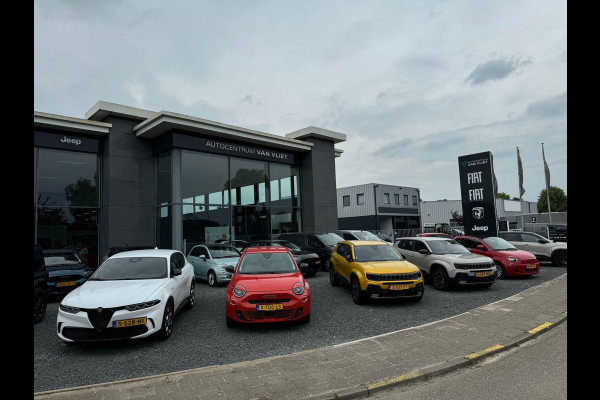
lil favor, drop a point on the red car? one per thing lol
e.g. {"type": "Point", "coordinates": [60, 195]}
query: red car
{"type": "Point", "coordinates": [267, 286]}
{"type": "Point", "coordinates": [509, 260]}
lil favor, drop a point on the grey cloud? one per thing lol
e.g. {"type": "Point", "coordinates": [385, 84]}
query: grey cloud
{"type": "Point", "coordinates": [495, 70]}
{"type": "Point", "coordinates": [549, 107]}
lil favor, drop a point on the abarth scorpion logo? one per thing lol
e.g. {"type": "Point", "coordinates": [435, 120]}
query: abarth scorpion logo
{"type": "Point", "coordinates": [477, 212]}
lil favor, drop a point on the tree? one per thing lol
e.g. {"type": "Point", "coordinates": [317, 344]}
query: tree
{"type": "Point", "coordinates": [558, 200]}
{"type": "Point", "coordinates": [503, 195]}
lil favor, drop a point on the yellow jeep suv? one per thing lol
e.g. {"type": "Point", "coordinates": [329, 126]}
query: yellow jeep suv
{"type": "Point", "coordinates": [374, 269]}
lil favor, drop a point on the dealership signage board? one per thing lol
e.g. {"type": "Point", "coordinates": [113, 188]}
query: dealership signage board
{"type": "Point", "coordinates": [478, 193]}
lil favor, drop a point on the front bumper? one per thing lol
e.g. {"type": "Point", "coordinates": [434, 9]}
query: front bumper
{"type": "Point", "coordinates": [382, 289]}
{"type": "Point", "coordinates": [80, 328]}
{"type": "Point", "coordinates": [53, 288]}
{"type": "Point", "coordinates": [467, 278]}
{"type": "Point", "coordinates": [245, 309]}
{"type": "Point", "coordinates": [521, 269]}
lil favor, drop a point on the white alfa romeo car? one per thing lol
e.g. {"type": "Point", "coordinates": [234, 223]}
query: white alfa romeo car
{"type": "Point", "coordinates": [133, 294]}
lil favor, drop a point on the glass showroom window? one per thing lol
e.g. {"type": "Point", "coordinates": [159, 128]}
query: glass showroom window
{"type": "Point", "coordinates": [205, 198]}
{"type": "Point", "coordinates": [67, 200]}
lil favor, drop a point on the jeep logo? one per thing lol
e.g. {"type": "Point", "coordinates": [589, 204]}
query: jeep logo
{"type": "Point", "coordinates": [76, 142]}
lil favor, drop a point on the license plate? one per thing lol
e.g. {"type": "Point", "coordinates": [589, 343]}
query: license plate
{"type": "Point", "coordinates": [533, 266]}
{"type": "Point", "coordinates": [129, 322]}
{"type": "Point", "coordinates": [61, 284]}
{"type": "Point", "coordinates": [482, 274]}
{"type": "Point", "coordinates": [269, 307]}
{"type": "Point", "coordinates": [397, 287]}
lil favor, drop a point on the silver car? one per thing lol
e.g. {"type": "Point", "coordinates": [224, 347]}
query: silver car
{"type": "Point", "coordinates": [447, 262]}
{"type": "Point", "coordinates": [542, 248]}
{"type": "Point", "coordinates": [210, 261]}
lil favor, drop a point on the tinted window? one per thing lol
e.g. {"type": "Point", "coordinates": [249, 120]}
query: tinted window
{"type": "Point", "coordinates": [131, 268]}
{"type": "Point", "coordinates": [367, 236]}
{"type": "Point", "coordinates": [406, 245]}
{"type": "Point", "coordinates": [267, 263]}
{"type": "Point", "coordinates": [61, 259]}
{"type": "Point", "coordinates": [376, 253]}
{"type": "Point", "coordinates": [420, 246]}
{"type": "Point", "coordinates": [223, 251]}
{"type": "Point", "coordinates": [469, 243]}
{"type": "Point", "coordinates": [348, 236]}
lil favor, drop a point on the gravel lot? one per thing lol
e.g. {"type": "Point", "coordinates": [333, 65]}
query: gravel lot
{"type": "Point", "coordinates": [201, 338]}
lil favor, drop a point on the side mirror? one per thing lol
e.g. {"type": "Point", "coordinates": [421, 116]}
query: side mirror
{"type": "Point", "coordinates": [424, 251]}
{"type": "Point", "coordinates": [481, 247]}
{"type": "Point", "coordinates": [203, 257]}
{"type": "Point", "coordinates": [348, 258]}
{"type": "Point", "coordinates": [175, 272]}
{"type": "Point", "coordinates": [230, 269]}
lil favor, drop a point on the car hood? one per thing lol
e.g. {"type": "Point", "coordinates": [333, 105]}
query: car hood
{"type": "Point", "coordinates": [389, 267]}
{"type": "Point", "coordinates": [93, 294]}
{"type": "Point", "coordinates": [521, 254]}
{"type": "Point", "coordinates": [226, 261]}
{"type": "Point", "coordinates": [466, 257]}
{"type": "Point", "coordinates": [268, 282]}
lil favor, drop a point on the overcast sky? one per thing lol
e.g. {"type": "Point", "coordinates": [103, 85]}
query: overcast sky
{"type": "Point", "coordinates": [413, 84]}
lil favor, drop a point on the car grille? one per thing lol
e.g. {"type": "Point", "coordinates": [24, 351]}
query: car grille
{"type": "Point", "coordinates": [473, 266]}
{"type": "Point", "coordinates": [100, 320]}
{"type": "Point", "coordinates": [393, 277]}
{"type": "Point", "coordinates": [83, 334]}
{"type": "Point", "coordinates": [268, 301]}
{"type": "Point", "coordinates": [267, 314]}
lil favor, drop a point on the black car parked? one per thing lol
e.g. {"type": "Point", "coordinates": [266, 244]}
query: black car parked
{"type": "Point", "coordinates": [66, 270]}
{"type": "Point", "coordinates": [40, 295]}
{"type": "Point", "coordinates": [321, 243]}
{"type": "Point", "coordinates": [308, 261]}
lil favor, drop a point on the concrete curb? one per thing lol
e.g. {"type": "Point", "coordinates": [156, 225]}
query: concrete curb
{"type": "Point", "coordinates": [365, 390]}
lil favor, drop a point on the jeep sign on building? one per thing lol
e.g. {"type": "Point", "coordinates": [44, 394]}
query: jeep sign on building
{"type": "Point", "coordinates": [478, 193]}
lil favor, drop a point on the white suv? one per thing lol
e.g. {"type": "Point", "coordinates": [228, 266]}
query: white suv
{"type": "Point", "coordinates": [447, 262]}
{"type": "Point", "coordinates": [542, 248]}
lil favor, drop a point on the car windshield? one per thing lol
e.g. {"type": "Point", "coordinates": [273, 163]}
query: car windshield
{"type": "Point", "coordinates": [380, 252]}
{"type": "Point", "coordinates": [367, 236]}
{"type": "Point", "coordinates": [447, 247]}
{"type": "Point", "coordinates": [128, 268]}
{"type": "Point", "coordinates": [497, 243]}
{"type": "Point", "coordinates": [267, 263]}
{"type": "Point", "coordinates": [330, 239]}
{"type": "Point", "coordinates": [223, 251]}
{"type": "Point", "coordinates": [61, 259]}
{"type": "Point", "coordinates": [287, 243]}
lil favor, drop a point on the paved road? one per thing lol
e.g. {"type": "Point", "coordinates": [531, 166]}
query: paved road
{"type": "Point", "coordinates": [535, 370]}
{"type": "Point", "coordinates": [201, 338]}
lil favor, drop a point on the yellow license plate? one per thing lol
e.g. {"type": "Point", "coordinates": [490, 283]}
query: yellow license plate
{"type": "Point", "coordinates": [482, 274]}
{"type": "Point", "coordinates": [129, 322]}
{"type": "Point", "coordinates": [61, 284]}
{"type": "Point", "coordinates": [398, 287]}
{"type": "Point", "coordinates": [269, 307]}
{"type": "Point", "coordinates": [531, 266]}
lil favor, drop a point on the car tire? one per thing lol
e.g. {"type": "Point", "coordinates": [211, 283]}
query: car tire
{"type": "Point", "coordinates": [212, 278]}
{"type": "Point", "coordinates": [333, 279]}
{"type": "Point", "coordinates": [439, 278]}
{"type": "Point", "coordinates": [358, 295]}
{"type": "Point", "coordinates": [40, 303]}
{"type": "Point", "coordinates": [231, 323]}
{"type": "Point", "coordinates": [305, 319]}
{"type": "Point", "coordinates": [192, 296]}
{"type": "Point", "coordinates": [500, 271]}
{"type": "Point", "coordinates": [166, 328]}
{"type": "Point", "coordinates": [560, 259]}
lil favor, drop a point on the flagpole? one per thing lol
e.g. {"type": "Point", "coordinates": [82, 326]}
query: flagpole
{"type": "Point", "coordinates": [520, 188]}
{"type": "Point", "coordinates": [547, 174]}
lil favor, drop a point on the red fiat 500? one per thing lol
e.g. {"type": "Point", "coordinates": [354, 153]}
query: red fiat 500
{"type": "Point", "coordinates": [267, 286]}
{"type": "Point", "coordinates": [509, 260]}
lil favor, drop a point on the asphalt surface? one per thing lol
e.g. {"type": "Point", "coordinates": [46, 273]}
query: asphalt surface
{"type": "Point", "coordinates": [201, 339]}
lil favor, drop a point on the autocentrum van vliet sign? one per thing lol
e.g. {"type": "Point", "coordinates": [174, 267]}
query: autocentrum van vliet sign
{"type": "Point", "coordinates": [478, 192]}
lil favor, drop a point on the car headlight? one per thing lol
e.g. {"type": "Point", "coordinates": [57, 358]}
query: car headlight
{"type": "Point", "coordinates": [239, 291]}
{"type": "Point", "coordinates": [140, 306]}
{"type": "Point", "coordinates": [298, 288]}
{"type": "Point", "coordinates": [513, 259]}
{"type": "Point", "coordinates": [69, 309]}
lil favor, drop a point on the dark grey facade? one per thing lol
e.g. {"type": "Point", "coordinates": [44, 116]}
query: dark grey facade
{"type": "Point", "coordinates": [127, 209]}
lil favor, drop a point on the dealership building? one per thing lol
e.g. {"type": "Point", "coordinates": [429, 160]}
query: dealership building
{"type": "Point", "coordinates": [129, 176]}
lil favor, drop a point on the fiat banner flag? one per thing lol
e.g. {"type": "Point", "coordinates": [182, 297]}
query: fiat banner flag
{"type": "Point", "coordinates": [478, 191]}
